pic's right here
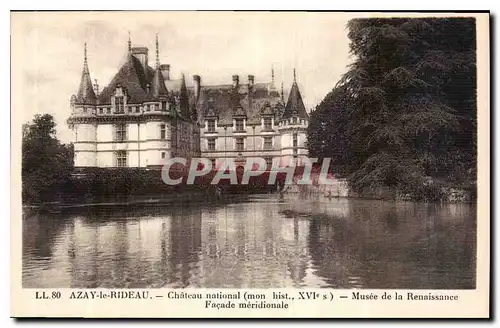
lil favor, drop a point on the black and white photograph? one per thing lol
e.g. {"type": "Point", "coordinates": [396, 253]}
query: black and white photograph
{"type": "Point", "coordinates": [247, 150]}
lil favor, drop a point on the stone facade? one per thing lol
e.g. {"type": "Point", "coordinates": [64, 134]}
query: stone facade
{"type": "Point", "coordinates": [251, 119]}
{"type": "Point", "coordinates": [135, 121]}
{"type": "Point", "coordinates": [143, 117]}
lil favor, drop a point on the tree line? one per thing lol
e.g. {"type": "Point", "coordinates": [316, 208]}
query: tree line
{"type": "Point", "coordinates": [403, 117]}
{"type": "Point", "coordinates": [47, 164]}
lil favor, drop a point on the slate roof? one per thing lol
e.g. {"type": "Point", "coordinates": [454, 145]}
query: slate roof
{"type": "Point", "coordinates": [295, 105]}
{"type": "Point", "coordinates": [222, 101]}
{"type": "Point", "coordinates": [134, 79]}
{"type": "Point", "coordinates": [158, 88]}
{"type": "Point", "coordinates": [86, 94]}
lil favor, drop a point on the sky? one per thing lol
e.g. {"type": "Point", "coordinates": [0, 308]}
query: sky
{"type": "Point", "coordinates": [47, 51]}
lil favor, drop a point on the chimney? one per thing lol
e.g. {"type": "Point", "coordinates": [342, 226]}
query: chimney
{"type": "Point", "coordinates": [236, 81]}
{"type": "Point", "coordinates": [251, 80]}
{"type": "Point", "coordinates": [197, 87]}
{"type": "Point", "coordinates": [165, 71]}
{"type": "Point", "coordinates": [141, 53]}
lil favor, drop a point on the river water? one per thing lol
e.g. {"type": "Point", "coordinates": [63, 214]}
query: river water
{"type": "Point", "coordinates": [263, 241]}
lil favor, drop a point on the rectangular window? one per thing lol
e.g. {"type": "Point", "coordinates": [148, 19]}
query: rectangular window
{"type": "Point", "coordinates": [211, 144]}
{"type": "Point", "coordinates": [100, 111]}
{"type": "Point", "coordinates": [162, 131]}
{"type": "Point", "coordinates": [137, 109]}
{"type": "Point", "coordinates": [295, 140]}
{"type": "Point", "coordinates": [119, 104]}
{"type": "Point", "coordinates": [163, 154]}
{"type": "Point", "coordinates": [268, 123]}
{"type": "Point", "coordinates": [240, 144]}
{"type": "Point", "coordinates": [164, 105]}
{"type": "Point", "coordinates": [269, 161]}
{"type": "Point", "coordinates": [211, 125]}
{"type": "Point", "coordinates": [239, 125]}
{"type": "Point", "coordinates": [213, 163]}
{"type": "Point", "coordinates": [108, 110]}
{"type": "Point", "coordinates": [121, 132]}
{"type": "Point", "coordinates": [268, 142]}
{"type": "Point", "coordinates": [121, 158]}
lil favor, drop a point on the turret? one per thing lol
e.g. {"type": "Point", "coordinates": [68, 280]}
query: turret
{"type": "Point", "coordinates": [183, 99]}
{"type": "Point", "coordinates": [86, 94]}
{"type": "Point", "coordinates": [158, 88]}
{"type": "Point", "coordinates": [294, 105]}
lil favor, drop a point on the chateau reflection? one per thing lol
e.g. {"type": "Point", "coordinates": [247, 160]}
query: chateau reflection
{"type": "Point", "coordinates": [156, 249]}
{"type": "Point", "coordinates": [262, 243]}
{"type": "Point", "coordinates": [251, 245]}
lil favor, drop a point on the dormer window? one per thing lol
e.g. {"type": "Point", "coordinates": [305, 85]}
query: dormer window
{"type": "Point", "coordinates": [119, 100]}
{"type": "Point", "coordinates": [119, 104]}
{"type": "Point", "coordinates": [268, 123]}
{"type": "Point", "coordinates": [239, 125]}
{"type": "Point", "coordinates": [211, 125]}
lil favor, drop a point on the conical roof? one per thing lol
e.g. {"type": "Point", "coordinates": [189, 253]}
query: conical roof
{"type": "Point", "coordinates": [158, 87]}
{"type": "Point", "coordinates": [295, 105]}
{"type": "Point", "coordinates": [86, 94]}
{"type": "Point", "coordinates": [183, 99]}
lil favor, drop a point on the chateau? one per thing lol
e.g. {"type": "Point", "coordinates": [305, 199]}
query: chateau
{"type": "Point", "coordinates": [143, 117]}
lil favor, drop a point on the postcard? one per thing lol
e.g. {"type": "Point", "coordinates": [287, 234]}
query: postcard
{"type": "Point", "coordinates": [233, 164]}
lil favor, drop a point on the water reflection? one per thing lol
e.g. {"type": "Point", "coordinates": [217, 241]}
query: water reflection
{"type": "Point", "coordinates": [263, 242]}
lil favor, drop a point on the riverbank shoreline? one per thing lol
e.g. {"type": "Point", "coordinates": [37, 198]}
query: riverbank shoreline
{"type": "Point", "coordinates": [151, 201]}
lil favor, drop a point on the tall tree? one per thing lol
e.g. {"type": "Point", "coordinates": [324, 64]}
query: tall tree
{"type": "Point", "coordinates": [46, 163]}
{"type": "Point", "coordinates": [404, 115]}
